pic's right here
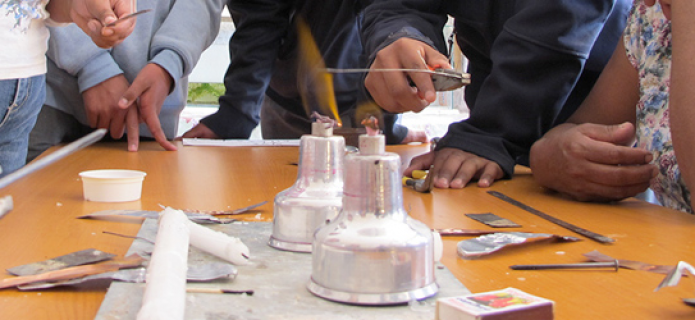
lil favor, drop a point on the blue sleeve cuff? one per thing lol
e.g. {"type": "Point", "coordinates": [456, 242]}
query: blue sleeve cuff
{"type": "Point", "coordinates": [172, 63]}
{"type": "Point", "coordinates": [405, 32]}
{"type": "Point", "coordinates": [98, 70]}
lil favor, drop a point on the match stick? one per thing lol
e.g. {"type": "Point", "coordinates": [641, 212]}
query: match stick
{"type": "Point", "coordinates": [215, 290]}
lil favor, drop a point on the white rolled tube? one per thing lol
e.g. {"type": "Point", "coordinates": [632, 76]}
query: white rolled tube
{"type": "Point", "coordinates": [219, 244]}
{"type": "Point", "coordinates": [165, 292]}
{"type": "Point", "coordinates": [437, 246]}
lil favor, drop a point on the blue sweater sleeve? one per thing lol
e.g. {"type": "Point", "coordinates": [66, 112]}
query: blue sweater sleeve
{"type": "Point", "coordinates": [90, 64]}
{"type": "Point", "coordinates": [177, 46]}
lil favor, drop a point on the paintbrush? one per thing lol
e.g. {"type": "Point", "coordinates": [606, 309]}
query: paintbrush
{"type": "Point", "coordinates": [582, 265]}
{"type": "Point", "coordinates": [217, 290]}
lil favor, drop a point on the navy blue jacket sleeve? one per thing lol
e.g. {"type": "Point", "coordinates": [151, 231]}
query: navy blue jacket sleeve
{"type": "Point", "coordinates": [525, 58]}
{"type": "Point", "coordinates": [260, 27]}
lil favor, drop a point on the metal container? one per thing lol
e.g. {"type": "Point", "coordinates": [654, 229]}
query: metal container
{"type": "Point", "coordinates": [373, 253]}
{"type": "Point", "coordinates": [316, 196]}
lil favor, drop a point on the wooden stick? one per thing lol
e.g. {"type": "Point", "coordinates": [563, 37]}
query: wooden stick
{"type": "Point", "coordinates": [74, 272]}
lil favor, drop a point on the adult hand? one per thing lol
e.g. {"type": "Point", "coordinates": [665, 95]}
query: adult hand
{"type": "Point", "coordinates": [391, 90]}
{"type": "Point", "coordinates": [148, 91]}
{"type": "Point", "coordinates": [454, 168]}
{"type": "Point", "coordinates": [101, 105]}
{"type": "Point", "coordinates": [200, 131]}
{"type": "Point", "coordinates": [591, 162]}
{"type": "Point", "coordinates": [92, 16]}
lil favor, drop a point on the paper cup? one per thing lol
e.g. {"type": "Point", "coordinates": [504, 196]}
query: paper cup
{"type": "Point", "coordinates": [112, 185]}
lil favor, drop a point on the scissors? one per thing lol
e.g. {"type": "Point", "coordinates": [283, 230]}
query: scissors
{"type": "Point", "coordinates": [443, 79]}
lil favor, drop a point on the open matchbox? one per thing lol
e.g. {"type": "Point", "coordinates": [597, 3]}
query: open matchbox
{"type": "Point", "coordinates": [505, 304]}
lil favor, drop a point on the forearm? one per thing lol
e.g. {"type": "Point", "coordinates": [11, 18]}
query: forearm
{"type": "Point", "coordinates": [523, 85]}
{"type": "Point", "coordinates": [504, 123]}
{"type": "Point", "coordinates": [612, 100]}
{"type": "Point", "coordinates": [682, 99]}
{"type": "Point", "coordinates": [261, 26]}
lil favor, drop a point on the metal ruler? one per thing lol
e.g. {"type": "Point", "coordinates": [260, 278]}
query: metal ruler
{"type": "Point", "coordinates": [591, 235]}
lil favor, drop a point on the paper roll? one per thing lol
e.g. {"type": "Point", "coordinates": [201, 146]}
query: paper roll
{"type": "Point", "coordinates": [165, 292]}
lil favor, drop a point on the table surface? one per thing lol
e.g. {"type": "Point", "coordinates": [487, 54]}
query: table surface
{"type": "Point", "coordinates": [43, 225]}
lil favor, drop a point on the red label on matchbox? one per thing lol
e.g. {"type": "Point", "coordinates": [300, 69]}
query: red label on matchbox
{"type": "Point", "coordinates": [503, 304]}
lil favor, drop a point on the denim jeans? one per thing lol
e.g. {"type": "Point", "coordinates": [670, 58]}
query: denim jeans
{"type": "Point", "coordinates": [20, 102]}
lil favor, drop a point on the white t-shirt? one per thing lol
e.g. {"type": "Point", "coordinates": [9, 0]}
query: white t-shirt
{"type": "Point", "coordinates": [23, 38]}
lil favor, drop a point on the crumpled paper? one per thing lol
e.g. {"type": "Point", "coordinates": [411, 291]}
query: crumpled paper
{"type": "Point", "coordinates": [494, 242]}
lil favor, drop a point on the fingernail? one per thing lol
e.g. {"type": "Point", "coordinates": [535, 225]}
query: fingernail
{"type": "Point", "coordinates": [123, 102]}
{"type": "Point", "coordinates": [431, 96]}
{"type": "Point", "coordinates": [133, 147]}
{"type": "Point", "coordinates": [457, 183]}
{"type": "Point", "coordinates": [648, 158]}
{"type": "Point", "coordinates": [109, 19]}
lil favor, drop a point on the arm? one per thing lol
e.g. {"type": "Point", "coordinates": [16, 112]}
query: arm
{"type": "Point", "coordinates": [533, 67]}
{"type": "Point", "coordinates": [681, 100]}
{"type": "Point", "coordinates": [175, 49]}
{"type": "Point", "coordinates": [261, 26]}
{"type": "Point", "coordinates": [407, 35]}
{"type": "Point", "coordinates": [590, 158]}
{"type": "Point", "coordinates": [99, 78]}
{"type": "Point", "coordinates": [524, 92]}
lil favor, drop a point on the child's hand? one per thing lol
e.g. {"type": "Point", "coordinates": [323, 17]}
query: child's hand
{"type": "Point", "coordinates": [92, 15]}
{"type": "Point", "coordinates": [392, 90]}
{"type": "Point", "coordinates": [200, 131]}
{"type": "Point", "coordinates": [148, 91]}
{"type": "Point", "coordinates": [101, 105]}
{"type": "Point", "coordinates": [454, 168]}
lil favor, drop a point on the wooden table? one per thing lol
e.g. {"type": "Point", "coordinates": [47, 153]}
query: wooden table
{"type": "Point", "coordinates": [43, 225]}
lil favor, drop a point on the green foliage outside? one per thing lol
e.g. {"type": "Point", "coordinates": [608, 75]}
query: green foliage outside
{"type": "Point", "coordinates": [204, 93]}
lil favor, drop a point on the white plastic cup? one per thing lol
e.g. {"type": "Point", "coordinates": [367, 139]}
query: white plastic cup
{"type": "Point", "coordinates": [112, 185]}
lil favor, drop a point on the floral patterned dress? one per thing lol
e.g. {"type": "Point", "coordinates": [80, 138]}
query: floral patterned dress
{"type": "Point", "coordinates": [648, 47]}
